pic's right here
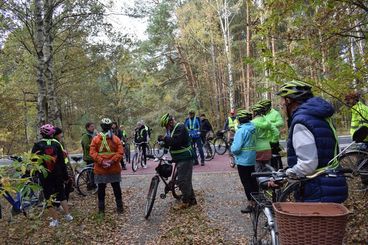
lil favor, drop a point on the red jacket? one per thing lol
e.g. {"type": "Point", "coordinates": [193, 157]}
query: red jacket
{"type": "Point", "coordinates": [99, 152]}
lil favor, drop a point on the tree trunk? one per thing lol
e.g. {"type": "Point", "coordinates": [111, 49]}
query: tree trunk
{"type": "Point", "coordinates": [39, 40]}
{"type": "Point", "coordinates": [247, 101]}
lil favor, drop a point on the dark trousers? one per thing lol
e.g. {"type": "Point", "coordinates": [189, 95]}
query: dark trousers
{"type": "Point", "coordinates": [185, 172]}
{"type": "Point", "coordinates": [249, 182]}
{"type": "Point", "coordinates": [102, 192]}
{"type": "Point", "coordinates": [197, 145]}
{"type": "Point", "coordinates": [144, 151]}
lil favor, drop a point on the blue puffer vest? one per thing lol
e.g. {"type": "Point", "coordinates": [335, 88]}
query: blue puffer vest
{"type": "Point", "coordinates": [312, 114]}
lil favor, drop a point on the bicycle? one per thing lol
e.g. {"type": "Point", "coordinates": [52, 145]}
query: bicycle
{"type": "Point", "coordinates": [220, 142]}
{"type": "Point", "coordinates": [138, 157]}
{"type": "Point", "coordinates": [287, 190]}
{"type": "Point", "coordinates": [159, 150]}
{"type": "Point", "coordinates": [208, 149]}
{"type": "Point", "coordinates": [168, 174]}
{"type": "Point", "coordinates": [84, 180]}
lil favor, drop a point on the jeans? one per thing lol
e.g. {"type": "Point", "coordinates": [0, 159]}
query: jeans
{"type": "Point", "coordinates": [197, 143]}
{"type": "Point", "coordinates": [185, 172]}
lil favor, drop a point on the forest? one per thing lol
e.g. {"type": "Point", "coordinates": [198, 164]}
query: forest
{"type": "Point", "coordinates": [61, 62]}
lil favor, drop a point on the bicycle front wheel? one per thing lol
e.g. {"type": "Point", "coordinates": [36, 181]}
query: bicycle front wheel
{"type": "Point", "coordinates": [33, 204]}
{"type": "Point", "coordinates": [86, 183]}
{"type": "Point", "coordinates": [220, 146]}
{"type": "Point", "coordinates": [209, 151]}
{"type": "Point", "coordinates": [175, 190]}
{"type": "Point", "coordinates": [263, 230]}
{"type": "Point", "coordinates": [151, 196]}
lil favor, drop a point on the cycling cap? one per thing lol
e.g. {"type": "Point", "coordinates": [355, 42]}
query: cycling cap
{"type": "Point", "coordinates": [106, 121]}
{"type": "Point", "coordinates": [165, 120]}
{"type": "Point", "coordinates": [47, 130]}
{"type": "Point", "coordinates": [244, 114]}
{"type": "Point", "coordinates": [295, 90]}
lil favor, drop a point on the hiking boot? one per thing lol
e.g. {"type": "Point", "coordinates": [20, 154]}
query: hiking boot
{"type": "Point", "coordinates": [202, 163]}
{"type": "Point", "coordinates": [181, 206]}
{"type": "Point", "coordinates": [246, 210]}
{"type": "Point", "coordinates": [196, 163]}
{"type": "Point", "coordinates": [119, 206]}
{"type": "Point", "coordinates": [193, 202]}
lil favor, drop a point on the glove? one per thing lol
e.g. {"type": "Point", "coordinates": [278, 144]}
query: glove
{"type": "Point", "coordinates": [106, 163]}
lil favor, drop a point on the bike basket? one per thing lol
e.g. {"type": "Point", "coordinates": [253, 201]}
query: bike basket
{"type": "Point", "coordinates": [164, 170]}
{"type": "Point", "coordinates": [310, 223]}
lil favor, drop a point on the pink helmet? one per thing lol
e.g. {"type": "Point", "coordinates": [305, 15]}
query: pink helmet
{"type": "Point", "coordinates": [47, 130]}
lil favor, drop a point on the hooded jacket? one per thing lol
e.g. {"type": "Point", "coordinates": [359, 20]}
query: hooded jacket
{"type": "Point", "coordinates": [312, 143]}
{"type": "Point", "coordinates": [243, 146]}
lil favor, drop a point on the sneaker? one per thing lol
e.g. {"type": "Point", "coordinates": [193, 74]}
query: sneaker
{"type": "Point", "coordinates": [54, 223]}
{"type": "Point", "coordinates": [68, 217]}
{"type": "Point", "coordinates": [193, 202]}
{"type": "Point", "coordinates": [156, 159]}
{"type": "Point", "coordinates": [145, 166]}
{"type": "Point", "coordinates": [246, 210]}
{"type": "Point", "coordinates": [120, 210]}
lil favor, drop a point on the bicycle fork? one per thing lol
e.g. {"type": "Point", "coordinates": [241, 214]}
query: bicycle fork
{"type": "Point", "coordinates": [271, 224]}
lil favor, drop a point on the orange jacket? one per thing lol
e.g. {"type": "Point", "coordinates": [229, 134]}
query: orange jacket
{"type": "Point", "coordinates": [99, 154]}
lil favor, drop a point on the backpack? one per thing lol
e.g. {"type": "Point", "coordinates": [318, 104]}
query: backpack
{"type": "Point", "coordinates": [50, 154]}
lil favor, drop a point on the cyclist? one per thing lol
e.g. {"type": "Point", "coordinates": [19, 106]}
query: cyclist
{"type": "Point", "coordinates": [86, 142]}
{"type": "Point", "coordinates": [266, 132]}
{"type": "Point", "coordinates": [193, 125]}
{"type": "Point", "coordinates": [107, 151]}
{"type": "Point", "coordinates": [178, 141]}
{"type": "Point", "coordinates": [243, 148]}
{"type": "Point", "coordinates": [124, 141]}
{"type": "Point", "coordinates": [206, 128]}
{"type": "Point", "coordinates": [117, 131]}
{"type": "Point", "coordinates": [141, 137]}
{"type": "Point", "coordinates": [359, 112]}
{"type": "Point", "coordinates": [231, 124]}
{"type": "Point", "coordinates": [274, 117]}
{"type": "Point", "coordinates": [312, 142]}
{"type": "Point", "coordinates": [53, 183]}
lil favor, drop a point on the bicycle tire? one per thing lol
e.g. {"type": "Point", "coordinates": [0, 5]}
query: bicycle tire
{"type": "Point", "coordinates": [208, 151]}
{"type": "Point", "coordinates": [290, 192]}
{"type": "Point", "coordinates": [357, 161]}
{"type": "Point", "coordinates": [220, 146]}
{"type": "Point", "coordinates": [135, 162]}
{"type": "Point", "coordinates": [151, 196]}
{"type": "Point", "coordinates": [175, 190]}
{"type": "Point", "coordinates": [158, 150]}
{"type": "Point", "coordinates": [262, 232]}
{"type": "Point", "coordinates": [33, 204]}
{"type": "Point", "coordinates": [85, 182]}
{"type": "Point", "coordinates": [127, 152]}
{"type": "Point", "coordinates": [232, 161]}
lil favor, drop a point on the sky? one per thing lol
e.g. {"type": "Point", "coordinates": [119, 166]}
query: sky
{"type": "Point", "coordinates": [125, 24]}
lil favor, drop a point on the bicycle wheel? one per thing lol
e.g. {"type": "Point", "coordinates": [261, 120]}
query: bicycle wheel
{"type": "Point", "coordinates": [143, 163]}
{"type": "Point", "coordinates": [127, 152]}
{"type": "Point", "coordinates": [358, 162]}
{"type": "Point", "coordinates": [232, 161]}
{"type": "Point", "coordinates": [33, 203]}
{"type": "Point", "coordinates": [158, 150]}
{"type": "Point", "coordinates": [151, 196]}
{"type": "Point", "coordinates": [135, 161]}
{"type": "Point", "coordinates": [85, 182]}
{"type": "Point", "coordinates": [290, 193]}
{"type": "Point", "coordinates": [208, 151]}
{"type": "Point", "coordinates": [264, 231]}
{"type": "Point", "coordinates": [220, 146]}
{"type": "Point", "coordinates": [175, 190]}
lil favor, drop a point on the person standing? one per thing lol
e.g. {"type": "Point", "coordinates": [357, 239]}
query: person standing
{"type": "Point", "coordinates": [243, 148]}
{"type": "Point", "coordinates": [312, 143]}
{"type": "Point", "coordinates": [86, 142]}
{"type": "Point", "coordinates": [206, 128]}
{"type": "Point", "coordinates": [193, 125]}
{"type": "Point", "coordinates": [359, 112]}
{"type": "Point", "coordinates": [117, 131]}
{"type": "Point", "coordinates": [177, 139]}
{"type": "Point", "coordinates": [231, 124]}
{"type": "Point", "coordinates": [106, 150]}
{"type": "Point", "coordinates": [53, 183]}
{"type": "Point", "coordinates": [141, 138]}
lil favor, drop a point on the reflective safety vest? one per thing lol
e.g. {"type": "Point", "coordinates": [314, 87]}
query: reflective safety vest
{"type": "Point", "coordinates": [233, 123]}
{"type": "Point", "coordinates": [175, 152]}
{"type": "Point", "coordinates": [48, 142]}
{"type": "Point", "coordinates": [359, 117]}
{"type": "Point", "coordinates": [104, 145]}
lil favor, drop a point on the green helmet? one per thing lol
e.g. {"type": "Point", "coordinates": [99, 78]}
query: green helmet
{"type": "Point", "coordinates": [259, 108]}
{"type": "Point", "coordinates": [165, 120]}
{"type": "Point", "coordinates": [295, 90]}
{"type": "Point", "coordinates": [265, 103]}
{"type": "Point", "coordinates": [244, 114]}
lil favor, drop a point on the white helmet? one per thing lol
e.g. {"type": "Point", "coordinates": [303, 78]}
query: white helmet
{"type": "Point", "coordinates": [106, 121]}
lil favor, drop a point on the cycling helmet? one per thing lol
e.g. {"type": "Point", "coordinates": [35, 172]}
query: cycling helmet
{"type": "Point", "coordinates": [106, 124]}
{"type": "Point", "coordinates": [295, 90]}
{"type": "Point", "coordinates": [244, 114]}
{"type": "Point", "coordinates": [47, 130]}
{"type": "Point", "coordinates": [259, 108]}
{"type": "Point", "coordinates": [165, 120]}
{"type": "Point", "coordinates": [355, 96]}
{"type": "Point", "coordinates": [106, 121]}
{"type": "Point", "coordinates": [266, 103]}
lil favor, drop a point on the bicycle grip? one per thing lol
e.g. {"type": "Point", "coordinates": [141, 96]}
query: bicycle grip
{"type": "Point", "coordinates": [261, 174]}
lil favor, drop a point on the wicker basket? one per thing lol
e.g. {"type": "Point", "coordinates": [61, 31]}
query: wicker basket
{"type": "Point", "coordinates": [310, 223]}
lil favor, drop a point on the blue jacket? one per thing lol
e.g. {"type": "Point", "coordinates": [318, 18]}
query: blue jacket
{"type": "Point", "coordinates": [193, 126]}
{"type": "Point", "coordinates": [244, 144]}
{"type": "Point", "coordinates": [313, 114]}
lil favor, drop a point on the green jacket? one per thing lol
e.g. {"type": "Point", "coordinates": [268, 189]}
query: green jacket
{"type": "Point", "coordinates": [86, 142]}
{"type": "Point", "coordinates": [266, 132]}
{"type": "Point", "coordinates": [276, 119]}
{"type": "Point", "coordinates": [179, 143]}
{"type": "Point", "coordinates": [359, 117]}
